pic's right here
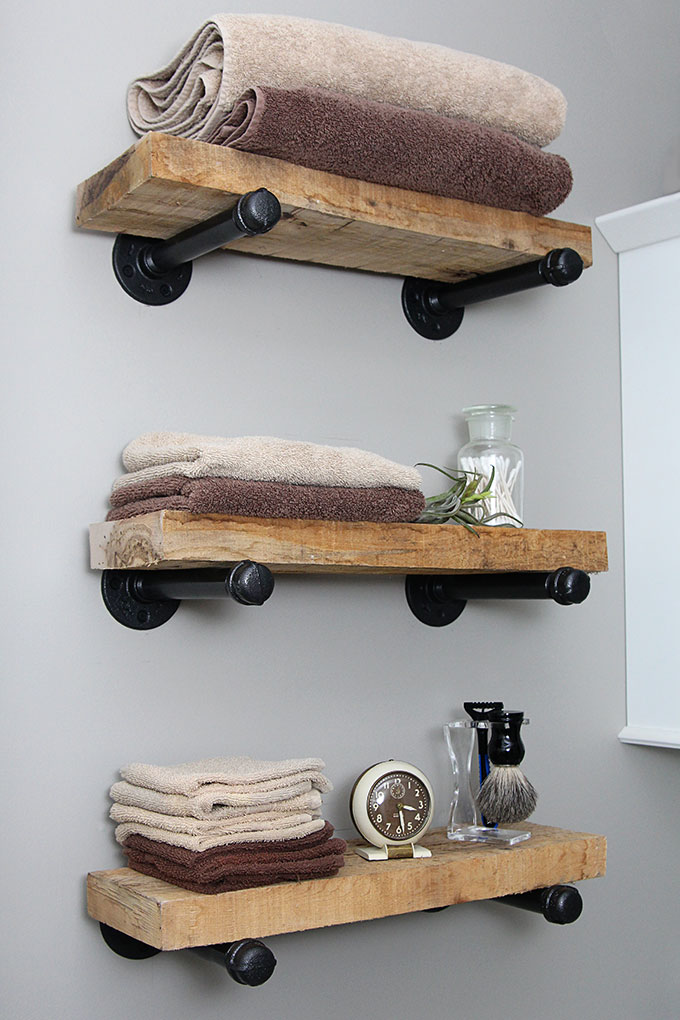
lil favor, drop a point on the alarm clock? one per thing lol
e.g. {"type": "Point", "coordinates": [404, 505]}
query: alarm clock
{"type": "Point", "coordinates": [392, 804]}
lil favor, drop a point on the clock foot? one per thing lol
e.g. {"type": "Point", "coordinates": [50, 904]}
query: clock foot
{"type": "Point", "coordinates": [384, 853]}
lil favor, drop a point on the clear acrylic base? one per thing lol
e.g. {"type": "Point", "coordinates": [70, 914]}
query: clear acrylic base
{"type": "Point", "coordinates": [486, 834]}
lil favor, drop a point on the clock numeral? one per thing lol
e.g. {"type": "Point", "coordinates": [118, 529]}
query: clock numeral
{"type": "Point", "coordinates": [378, 818]}
{"type": "Point", "coordinates": [399, 830]}
{"type": "Point", "coordinates": [409, 826]}
{"type": "Point", "coordinates": [420, 804]}
{"type": "Point", "coordinates": [417, 818]}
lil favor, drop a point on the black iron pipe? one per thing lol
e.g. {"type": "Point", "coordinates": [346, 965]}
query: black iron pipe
{"type": "Point", "coordinates": [559, 267]}
{"type": "Point", "coordinates": [254, 213]}
{"type": "Point", "coordinates": [248, 583]}
{"type": "Point", "coordinates": [565, 586]}
{"type": "Point", "coordinates": [559, 904]}
{"type": "Point", "coordinates": [247, 961]}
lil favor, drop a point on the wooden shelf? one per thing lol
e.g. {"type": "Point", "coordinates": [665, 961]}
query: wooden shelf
{"type": "Point", "coordinates": [163, 184]}
{"type": "Point", "coordinates": [168, 917]}
{"type": "Point", "coordinates": [175, 538]}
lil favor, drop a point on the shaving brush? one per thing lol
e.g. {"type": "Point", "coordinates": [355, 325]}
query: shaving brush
{"type": "Point", "coordinates": [506, 795]}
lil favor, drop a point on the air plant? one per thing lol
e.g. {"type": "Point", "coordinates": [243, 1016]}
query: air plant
{"type": "Point", "coordinates": [468, 492]}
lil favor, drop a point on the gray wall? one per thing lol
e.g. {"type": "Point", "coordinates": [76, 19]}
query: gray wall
{"type": "Point", "coordinates": [336, 667]}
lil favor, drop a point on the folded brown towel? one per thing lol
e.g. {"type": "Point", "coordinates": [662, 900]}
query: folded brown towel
{"type": "Point", "coordinates": [324, 868]}
{"type": "Point", "coordinates": [266, 499]}
{"type": "Point", "coordinates": [386, 144]}
{"type": "Point", "coordinates": [239, 866]}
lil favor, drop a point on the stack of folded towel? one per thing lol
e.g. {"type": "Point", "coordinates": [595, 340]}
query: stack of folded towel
{"type": "Point", "coordinates": [364, 105]}
{"type": "Point", "coordinates": [261, 476]}
{"type": "Point", "coordinates": [226, 823]}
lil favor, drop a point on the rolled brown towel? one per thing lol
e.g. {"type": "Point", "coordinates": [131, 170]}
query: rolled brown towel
{"type": "Point", "coordinates": [266, 499]}
{"type": "Point", "coordinates": [386, 144]}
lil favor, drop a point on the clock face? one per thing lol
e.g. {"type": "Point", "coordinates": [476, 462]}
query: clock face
{"type": "Point", "coordinates": [398, 805]}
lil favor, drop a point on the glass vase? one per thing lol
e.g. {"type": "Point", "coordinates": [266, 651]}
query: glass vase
{"type": "Point", "coordinates": [490, 454]}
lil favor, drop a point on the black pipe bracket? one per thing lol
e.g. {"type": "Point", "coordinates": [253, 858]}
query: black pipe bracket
{"type": "Point", "coordinates": [146, 599]}
{"type": "Point", "coordinates": [559, 904]}
{"type": "Point", "coordinates": [157, 272]}
{"type": "Point", "coordinates": [439, 599]}
{"type": "Point", "coordinates": [247, 961]}
{"type": "Point", "coordinates": [435, 310]}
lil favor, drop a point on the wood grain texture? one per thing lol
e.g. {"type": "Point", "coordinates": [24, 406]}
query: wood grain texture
{"type": "Point", "coordinates": [176, 538]}
{"type": "Point", "coordinates": [163, 184]}
{"type": "Point", "coordinates": [168, 917]}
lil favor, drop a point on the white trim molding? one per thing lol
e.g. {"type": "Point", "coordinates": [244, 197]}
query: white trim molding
{"type": "Point", "coordinates": [639, 225]}
{"type": "Point", "coordinates": [653, 736]}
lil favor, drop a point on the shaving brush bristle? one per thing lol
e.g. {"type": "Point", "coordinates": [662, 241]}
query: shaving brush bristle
{"type": "Point", "coordinates": [506, 795]}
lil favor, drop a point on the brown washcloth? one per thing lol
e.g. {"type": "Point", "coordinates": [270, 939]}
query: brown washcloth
{"type": "Point", "coordinates": [239, 866]}
{"type": "Point", "coordinates": [266, 499]}
{"type": "Point", "coordinates": [386, 144]}
{"type": "Point", "coordinates": [217, 866]}
{"type": "Point", "coordinates": [324, 868]}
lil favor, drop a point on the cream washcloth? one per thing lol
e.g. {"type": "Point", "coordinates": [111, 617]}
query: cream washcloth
{"type": "Point", "coordinates": [266, 458]}
{"type": "Point", "coordinates": [207, 805]}
{"type": "Point", "coordinates": [287, 830]}
{"type": "Point", "coordinates": [240, 776]}
{"type": "Point", "coordinates": [230, 53]}
{"type": "Point", "coordinates": [264, 821]}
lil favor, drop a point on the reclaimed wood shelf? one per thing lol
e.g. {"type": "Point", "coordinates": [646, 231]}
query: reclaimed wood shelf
{"type": "Point", "coordinates": [162, 185]}
{"type": "Point", "coordinates": [167, 917]}
{"type": "Point", "coordinates": [176, 538]}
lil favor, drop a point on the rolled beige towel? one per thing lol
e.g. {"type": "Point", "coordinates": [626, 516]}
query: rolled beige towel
{"type": "Point", "coordinates": [230, 53]}
{"type": "Point", "coordinates": [156, 455]}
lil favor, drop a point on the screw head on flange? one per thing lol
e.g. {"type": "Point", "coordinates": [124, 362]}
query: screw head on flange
{"type": "Point", "coordinates": [122, 601]}
{"type": "Point", "coordinates": [417, 305]}
{"type": "Point", "coordinates": [429, 602]}
{"type": "Point", "coordinates": [134, 276]}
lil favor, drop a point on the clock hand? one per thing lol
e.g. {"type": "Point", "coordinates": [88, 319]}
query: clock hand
{"type": "Point", "coordinates": [407, 808]}
{"type": "Point", "coordinates": [401, 819]}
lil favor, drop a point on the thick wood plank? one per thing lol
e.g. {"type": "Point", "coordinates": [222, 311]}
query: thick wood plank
{"type": "Point", "coordinates": [168, 917]}
{"type": "Point", "coordinates": [163, 185]}
{"type": "Point", "coordinates": [175, 538]}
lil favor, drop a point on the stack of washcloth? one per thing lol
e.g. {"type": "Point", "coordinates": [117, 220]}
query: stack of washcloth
{"type": "Point", "coordinates": [364, 105]}
{"type": "Point", "coordinates": [226, 823]}
{"type": "Point", "coordinates": [261, 476]}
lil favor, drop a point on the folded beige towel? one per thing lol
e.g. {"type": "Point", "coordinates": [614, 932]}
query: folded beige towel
{"type": "Point", "coordinates": [206, 841]}
{"type": "Point", "coordinates": [192, 94]}
{"type": "Point", "coordinates": [209, 804]}
{"type": "Point", "coordinates": [157, 454]}
{"type": "Point", "coordinates": [240, 776]}
{"type": "Point", "coordinates": [263, 821]}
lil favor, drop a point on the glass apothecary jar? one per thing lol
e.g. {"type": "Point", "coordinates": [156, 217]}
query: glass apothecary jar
{"type": "Point", "coordinates": [490, 453]}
